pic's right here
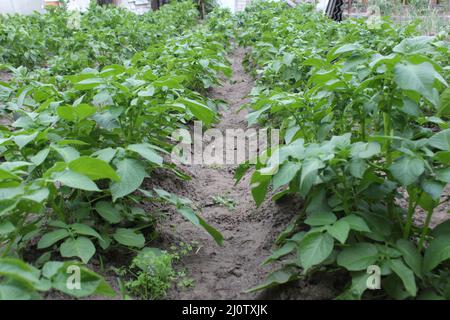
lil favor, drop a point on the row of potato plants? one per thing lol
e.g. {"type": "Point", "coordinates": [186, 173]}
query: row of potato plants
{"type": "Point", "coordinates": [65, 41]}
{"type": "Point", "coordinates": [364, 118]}
{"type": "Point", "coordinates": [79, 146]}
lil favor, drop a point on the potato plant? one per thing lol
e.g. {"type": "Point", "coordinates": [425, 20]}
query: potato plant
{"type": "Point", "coordinates": [364, 115]}
{"type": "Point", "coordinates": [79, 145]}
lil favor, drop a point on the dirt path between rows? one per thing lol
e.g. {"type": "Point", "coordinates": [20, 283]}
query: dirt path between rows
{"type": "Point", "coordinates": [226, 272]}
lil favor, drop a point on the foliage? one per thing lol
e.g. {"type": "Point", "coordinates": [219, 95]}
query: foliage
{"type": "Point", "coordinates": [79, 147]}
{"type": "Point", "coordinates": [102, 36]}
{"type": "Point", "coordinates": [154, 274]}
{"type": "Point", "coordinates": [364, 117]}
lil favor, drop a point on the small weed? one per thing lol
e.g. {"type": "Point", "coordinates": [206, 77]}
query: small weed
{"type": "Point", "coordinates": [225, 202]}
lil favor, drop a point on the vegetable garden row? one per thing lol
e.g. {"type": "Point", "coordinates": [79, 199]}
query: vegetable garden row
{"type": "Point", "coordinates": [364, 115]}
{"type": "Point", "coordinates": [87, 128]}
{"type": "Point", "coordinates": [363, 112]}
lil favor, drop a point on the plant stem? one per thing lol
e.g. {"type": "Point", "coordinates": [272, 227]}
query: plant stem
{"type": "Point", "coordinates": [425, 229]}
{"type": "Point", "coordinates": [363, 128]}
{"type": "Point", "coordinates": [387, 132]}
{"type": "Point", "coordinates": [409, 219]}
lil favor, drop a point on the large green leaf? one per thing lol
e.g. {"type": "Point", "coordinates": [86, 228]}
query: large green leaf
{"type": "Point", "coordinates": [90, 282]}
{"type": "Point", "coordinates": [358, 256]}
{"type": "Point", "coordinates": [85, 230]}
{"type": "Point", "coordinates": [320, 218]}
{"type": "Point", "coordinates": [418, 78]}
{"type": "Point", "coordinates": [444, 110]}
{"type": "Point", "coordinates": [276, 278]}
{"type": "Point", "coordinates": [189, 214]}
{"type": "Point", "coordinates": [314, 248]}
{"type": "Point", "coordinates": [260, 184]}
{"type": "Point", "coordinates": [129, 238]}
{"type": "Point", "coordinates": [52, 237]}
{"type": "Point", "coordinates": [339, 230]}
{"type": "Point", "coordinates": [309, 174]}
{"type": "Point", "coordinates": [441, 140]}
{"type": "Point", "coordinates": [131, 173]}
{"type": "Point", "coordinates": [405, 274]}
{"type": "Point", "coordinates": [76, 180]}
{"type": "Point", "coordinates": [285, 174]}
{"type": "Point", "coordinates": [93, 168]}
{"type": "Point", "coordinates": [18, 270]}
{"type": "Point", "coordinates": [80, 247]}
{"type": "Point", "coordinates": [356, 223]}
{"type": "Point", "coordinates": [437, 252]}
{"type": "Point", "coordinates": [147, 152]}
{"type": "Point", "coordinates": [23, 139]}
{"type": "Point", "coordinates": [199, 110]}
{"type": "Point", "coordinates": [108, 212]}
{"type": "Point", "coordinates": [407, 169]}
{"type": "Point", "coordinates": [412, 257]}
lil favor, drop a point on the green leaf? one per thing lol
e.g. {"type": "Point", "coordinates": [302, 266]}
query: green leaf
{"type": "Point", "coordinates": [93, 168]}
{"type": "Point", "coordinates": [147, 152]}
{"type": "Point", "coordinates": [148, 92]}
{"type": "Point", "coordinates": [276, 278]}
{"type": "Point", "coordinates": [199, 110]}
{"type": "Point", "coordinates": [67, 153]}
{"type": "Point", "coordinates": [433, 188]}
{"type": "Point", "coordinates": [444, 110]}
{"type": "Point", "coordinates": [441, 140]}
{"type": "Point", "coordinates": [40, 157]}
{"type": "Point", "coordinates": [358, 167]}
{"type": "Point", "coordinates": [285, 174]}
{"type": "Point", "coordinates": [18, 270]}
{"type": "Point", "coordinates": [85, 230]}
{"type": "Point", "coordinates": [320, 218]}
{"type": "Point", "coordinates": [76, 180]}
{"type": "Point", "coordinates": [407, 169]}
{"type": "Point", "coordinates": [88, 84]}
{"type": "Point", "coordinates": [80, 247]}
{"type": "Point", "coordinates": [358, 257]}
{"type": "Point", "coordinates": [287, 248]}
{"type": "Point", "coordinates": [420, 44]}
{"type": "Point", "coordinates": [4, 175]}
{"type": "Point", "coordinates": [405, 274]}
{"type": "Point", "coordinates": [189, 214]}
{"type": "Point", "coordinates": [437, 252]}
{"type": "Point", "coordinates": [132, 174]}
{"type": "Point", "coordinates": [314, 248]}
{"type": "Point", "coordinates": [24, 139]}
{"type": "Point", "coordinates": [356, 223]}
{"type": "Point", "coordinates": [416, 77]}
{"type": "Point", "coordinates": [129, 238]}
{"type": "Point", "coordinates": [52, 237]}
{"type": "Point", "coordinates": [309, 174]}
{"type": "Point", "coordinates": [443, 175]}
{"type": "Point", "coordinates": [90, 282]}
{"type": "Point", "coordinates": [66, 112]}
{"type": "Point", "coordinates": [412, 257]}
{"type": "Point", "coordinates": [365, 150]}
{"type": "Point", "coordinates": [441, 229]}
{"type": "Point", "coordinates": [6, 227]}
{"type": "Point", "coordinates": [259, 185]}
{"type": "Point", "coordinates": [339, 230]}
{"type": "Point", "coordinates": [357, 288]}
{"type": "Point", "coordinates": [106, 154]}
{"type": "Point", "coordinates": [108, 212]}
